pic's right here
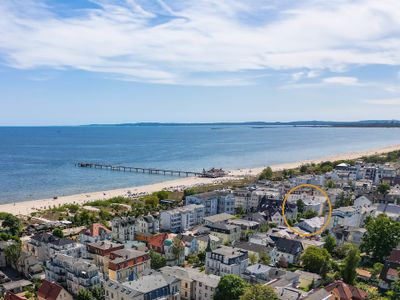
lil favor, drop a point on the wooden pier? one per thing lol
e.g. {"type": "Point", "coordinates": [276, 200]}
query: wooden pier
{"type": "Point", "coordinates": [140, 170]}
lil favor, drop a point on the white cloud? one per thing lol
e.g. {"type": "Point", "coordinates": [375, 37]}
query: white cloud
{"type": "Point", "coordinates": [385, 102]}
{"type": "Point", "coordinates": [171, 41]}
{"type": "Point", "coordinates": [341, 80]}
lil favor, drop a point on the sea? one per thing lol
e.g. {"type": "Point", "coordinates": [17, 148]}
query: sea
{"type": "Point", "coordinates": [39, 162]}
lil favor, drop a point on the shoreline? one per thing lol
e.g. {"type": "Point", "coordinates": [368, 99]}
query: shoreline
{"type": "Point", "coordinates": [29, 206]}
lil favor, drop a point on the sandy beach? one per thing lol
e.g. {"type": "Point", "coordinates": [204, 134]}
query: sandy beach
{"type": "Point", "coordinates": [26, 207]}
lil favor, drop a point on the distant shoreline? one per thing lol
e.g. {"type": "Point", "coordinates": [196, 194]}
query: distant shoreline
{"type": "Point", "coordinates": [26, 207]}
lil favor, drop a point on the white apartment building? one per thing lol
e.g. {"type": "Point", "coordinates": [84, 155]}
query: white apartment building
{"type": "Point", "coordinates": [226, 260]}
{"type": "Point", "coordinates": [183, 218]}
{"type": "Point", "coordinates": [147, 224]}
{"type": "Point", "coordinates": [72, 273]}
{"type": "Point", "coordinates": [123, 229]}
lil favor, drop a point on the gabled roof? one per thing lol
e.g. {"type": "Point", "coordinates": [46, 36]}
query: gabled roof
{"type": "Point", "coordinates": [394, 256]}
{"type": "Point", "coordinates": [51, 239]}
{"type": "Point", "coordinates": [95, 230]}
{"type": "Point", "coordinates": [49, 290]}
{"type": "Point", "coordinates": [12, 296]}
{"type": "Point", "coordinates": [346, 291]}
{"type": "Point", "coordinates": [285, 245]}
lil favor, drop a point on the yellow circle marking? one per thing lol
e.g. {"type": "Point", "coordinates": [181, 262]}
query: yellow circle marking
{"type": "Point", "coordinates": [329, 215]}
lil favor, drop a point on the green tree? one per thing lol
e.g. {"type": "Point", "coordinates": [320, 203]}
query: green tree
{"type": "Point", "coordinates": [157, 260]}
{"type": "Point", "coordinates": [377, 269]}
{"type": "Point", "coordinates": [230, 287]}
{"type": "Point", "coordinates": [13, 254]}
{"type": "Point", "coordinates": [350, 264]}
{"type": "Point", "coordinates": [330, 184]}
{"type": "Point", "coordinates": [259, 292]}
{"type": "Point", "coordinates": [98, 293]}
{"type": "Point", "coordinates": [58, 233]}
{"type": "Point", "coordinates": [266, 174]}
{"type": "Point", "coordinates": [316, 260]}
{"type": "Point", "coordinates": [177, 247]}
{"type": "Point", "coordinates": [264, 258]}
{"type": "Point", "coordinates": [383, 234]}
{"type": "Point", "coordinates": [85, 294]}
{"type": "Point", "coordinates": [308, 214]}
{"type": "Point", "coordinates": [12, 223]}
{"type": "Point", "coordinates": [383, 188]}
{"type": "Point", "coordinates": [253, 258]}
{"type": "Point", "coordinates": [394, 293]}
{"type": "Point", "coordinates": [193, 259]}
{"type": "Point", "coordinates": [330, 243]}
{"type": "Point", "coordinates": [300, 206]}
{"type": "Point", "coordinates": [342, 250]}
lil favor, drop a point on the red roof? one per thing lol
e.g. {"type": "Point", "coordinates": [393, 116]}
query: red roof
{"type": "Point", "coordinates": [12, 296]}
{"type": "Point", "coordinates": [157, 241]}
{"type": "Point", "coordinates": [49, 290]}
{"type": "Point", "coordinates": [395, 256]}
{"type": "Point", "coordinates": [95, 230]}
{"type": "Point", "coordinates": [392, 272]}
{"type": "Point", "coordinates": [346, 291]}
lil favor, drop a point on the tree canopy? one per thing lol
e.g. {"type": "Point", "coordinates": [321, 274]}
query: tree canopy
{"type": "Point", "coordinates": [157, 260]}
{"type": "Point", "coordinates": [259, 292]}
{"type": "Point", "coordinates": [330, 243]}
{"type": "Point", "coordinates": [350, 264]}
{"type": "Point", "coordinates": [230, 287]}
{"type": "Point", "coordinates": [316, 260]}
{"type": "Point", "coordinates": [383, 234]}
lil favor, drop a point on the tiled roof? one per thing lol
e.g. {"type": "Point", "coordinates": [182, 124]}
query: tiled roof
{"type": "Point", "coordinates": [287, 245]}
{"type": "Point", "coordinates": [12, 296]}
{"type": "Point", "coordinates": [346, 291]}
{"type": "Point", "coordinates": [395, 256]}
{"type": "Point", "coordinates": [95, 230]}
{"type": "Point", "coordinates": [49, 290]}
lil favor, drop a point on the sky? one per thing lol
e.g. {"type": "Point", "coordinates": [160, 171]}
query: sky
{"type": "Point", "coordinates": [66, 62]}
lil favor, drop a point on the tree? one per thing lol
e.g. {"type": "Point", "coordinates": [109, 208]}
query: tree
{"type": "Point", "coordinates": [12, 223]}
{"type": "Point", "coordinates": [394, 293]}
{"type": "Point", "coordinates": [350, 264]}
{"type": "Point", "coordinates": [259, 292]}
{"type": "Point", "coordinates": [253, 258]}
{"type": "Point", "coordinates": [98, 293]}
{"type": "Point", "coordinates": [377, 269]}
{"type": "Point", "coordinates": [342, 250]}
{"type": "Point", "coordinates": [383, 188]}
{"type": "Point", "coordinates": [193, 259]}
{"type": "Point", "coordinates": [316, 260]}
{"type": "Point", "coordinates": [330, 184]}
{"type": "Point", "coordinates": [308, 214]}
{"type": "Point", "coordinates": [330, 243]}
{"type": "Point", "coordinates": [300, 205]}
{"type": "Point", "coordinates": [157, 260]}
{"type": "Point", "coordinates": [266, 174]}
{"type": "Point", "coordinates": [230, 287]}
{"type": "Point", "coordinates": [58, 233]}
{"type": "Point", "coordinates": [264, 258]}
{"type": "Point", "coordinates": [177, 247]}
{"type": "Point", "coordinates": [85, 294]}
{"type": "Point", "coordinates": [383, 234]}
{"type": "Point", "coordinates": [13, 254]}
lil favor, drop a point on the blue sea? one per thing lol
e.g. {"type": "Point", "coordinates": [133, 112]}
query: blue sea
{"type": "Point", "coordinates": [39, 162]}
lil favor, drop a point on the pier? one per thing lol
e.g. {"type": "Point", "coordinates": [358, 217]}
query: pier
{"type": "Point", "coordinates": [141, 170]}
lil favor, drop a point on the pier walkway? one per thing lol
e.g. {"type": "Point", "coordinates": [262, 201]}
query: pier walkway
{"type": "Point", "coordinates": [141, 170]}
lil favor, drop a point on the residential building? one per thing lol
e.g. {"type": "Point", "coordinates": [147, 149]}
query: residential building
{"type": "Point", "coordinates": [183, 218]}
{"type": "Point", "coordinates": [226, 232]}
{"type": "Point", "coordinates": [226, 203]}
{"type": "Point", "coordinates": [127, 264]}
{"type": "Point", "coordinates": [72, 273]}
{"type": "Point", "coordinates": [346, 216]}
{"type": "Point", "coordinates": [12, 296]}
{"type": "Point", "coordinates": [209, 200]}
{"type": "Point", "coordinates": [123, 229]}
{"type": "Point", "coordinates": [312, 225]}
{"type": "Point", "coordinates": [191, 244]}
{"type": "Point", "coordinates": [226, 260]}
{"type": "Point", "coordinates": [44, 246]}
{"type": "Point", "coordinates": [95, 233]}
{"type": "Point", "coordinates": [147, 224]}
{"type": "Point", "coordinates": [194, 284]}
{"type": "Point", "coordinates": [203, 241]}
{"type": "Point", "coordinates": [243, 200]}
{"type": "Point", "coordinates": [30, 266]}
{"type": "Point", "coordinates": [262, 274]}
{"type": "Point", "coordinates": [245, 225]}
{"type": "Point", "coordinates": [289, 249]}
{"type": "Point", "coordinates": [100, 252]}
{"type": "Point", "coordinates": [390, 273]}
{"type": "Point", "coordinates": [258, 250]}
{"type": "Point", "coordinates": [52, 291]}
{"type": "Point", "coordinates": [343, 291]}
{"type": "Point", "coordinates": [350, 234]}
{"type": "Point", "coordinates": [218, 218]}
{"type": "Point", "coordinates": [156, 286]}
{"type": "Point", "coordinates": [391, 210]}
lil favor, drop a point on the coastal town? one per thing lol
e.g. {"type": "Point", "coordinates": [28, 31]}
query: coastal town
{"type": "Point", "coordinates": [257, 237]}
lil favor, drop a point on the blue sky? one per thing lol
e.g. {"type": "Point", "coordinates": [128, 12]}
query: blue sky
{"type": "Point", "coordinates": [111, 61]}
